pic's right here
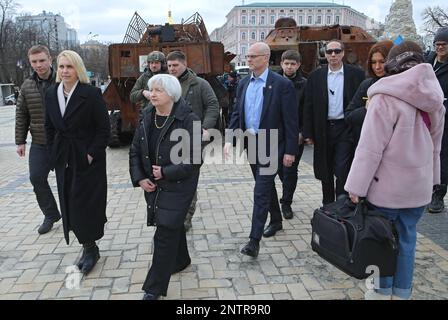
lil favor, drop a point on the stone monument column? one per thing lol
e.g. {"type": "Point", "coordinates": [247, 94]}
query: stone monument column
{"type": "Point", "coordinates": [399, 21]}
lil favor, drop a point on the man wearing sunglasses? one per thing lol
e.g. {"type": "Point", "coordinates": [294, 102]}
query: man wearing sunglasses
{"type": "Point", "coordinates": [439, 61]}
{"type": "Point", "coordinates": [329, 90]}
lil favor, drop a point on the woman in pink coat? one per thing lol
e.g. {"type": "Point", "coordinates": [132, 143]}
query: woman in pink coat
{"type": "Point", "coordinates": [397, 160]}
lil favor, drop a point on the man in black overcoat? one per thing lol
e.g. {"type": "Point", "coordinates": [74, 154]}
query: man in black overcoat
{"type": "Point", "coordinates": [329, 91]}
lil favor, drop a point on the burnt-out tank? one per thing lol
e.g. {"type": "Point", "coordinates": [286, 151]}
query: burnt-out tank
{"type": "Point", "coordinates": [311, 41]}
{"type": "Point", "coordinates": [127, 62]}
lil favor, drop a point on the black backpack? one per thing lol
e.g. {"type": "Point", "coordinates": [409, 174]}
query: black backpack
{"type": "Point", "coordinates": [355, 238]}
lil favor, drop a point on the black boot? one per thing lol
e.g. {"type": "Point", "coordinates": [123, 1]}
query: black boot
{"type": "Point", "coordinates": [437, 205]}
{"type": "Point", "coordinates": [92, 255]}
{"type": "Point", "coordinates": [80, 262]}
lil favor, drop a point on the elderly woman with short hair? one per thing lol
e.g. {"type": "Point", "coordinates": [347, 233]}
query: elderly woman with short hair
{"type": "Point", "coordinates": [169, 179]}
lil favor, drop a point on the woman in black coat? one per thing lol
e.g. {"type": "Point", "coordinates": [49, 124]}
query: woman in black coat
{"type": "Point", "coordinates": [77, 127]}
{"type": "Point", "coordinates": [356, 110]}
{"type": "Point", "coordinates": [168, 172]}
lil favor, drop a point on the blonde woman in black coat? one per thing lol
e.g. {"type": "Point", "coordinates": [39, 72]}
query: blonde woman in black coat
{"type": "Point", "coordinates": [169, 179]}
{"type": "Point", "coordinates": [77, 126]}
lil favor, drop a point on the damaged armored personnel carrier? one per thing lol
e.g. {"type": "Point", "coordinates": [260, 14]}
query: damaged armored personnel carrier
{"type": "Point", "coordinates": [311, 41]}
{"type": "Point", "coordinates": [127, 62]}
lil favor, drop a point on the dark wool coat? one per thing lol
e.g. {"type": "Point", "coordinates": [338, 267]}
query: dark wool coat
{"type": "Point", "coordinates": [356, 111]}
{"type": "Point", "coordinates": [83, 130]}
{"type": "Point", "coordinates": [299, 84]}
{"type": "Point", "coordinates": [169, 204]}
{"type": "Point", "coordinates": [315, 113]}
{"type": "Point", "coordinates": [442, 76]}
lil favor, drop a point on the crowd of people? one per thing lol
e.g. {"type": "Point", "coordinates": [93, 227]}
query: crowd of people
{"type": "Point", "coordinates": [382, 138]}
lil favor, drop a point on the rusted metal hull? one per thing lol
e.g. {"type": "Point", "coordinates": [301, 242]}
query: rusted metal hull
{"type": "Point", "coordinates": [310, 42]}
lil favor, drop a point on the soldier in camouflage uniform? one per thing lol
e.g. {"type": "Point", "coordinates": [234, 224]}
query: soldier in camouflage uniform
{"type": "Point", "coordinates": [156, 65]}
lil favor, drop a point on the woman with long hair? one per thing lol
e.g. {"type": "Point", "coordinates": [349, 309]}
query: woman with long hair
{"type": "Point", "coordinates": [356, 110]}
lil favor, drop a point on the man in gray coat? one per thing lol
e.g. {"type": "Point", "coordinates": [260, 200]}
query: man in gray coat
{"type": "Point", "coordinates": [156, 64]}
{"type": "Point", "coordinates": [201, 98]}
{"type": "Point", "coordinates": [30, 116]}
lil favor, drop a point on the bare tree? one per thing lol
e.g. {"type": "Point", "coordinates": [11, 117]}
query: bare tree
{"type": "Point", "coordinates": [96, 56]}
{"type": "Point", "coordinates": [434, 18]}
{"type": "Point", "coordinates": [7, 9]}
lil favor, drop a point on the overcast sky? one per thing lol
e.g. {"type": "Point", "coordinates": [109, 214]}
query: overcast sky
{"type": "Point", "coordinates": [109, 19]}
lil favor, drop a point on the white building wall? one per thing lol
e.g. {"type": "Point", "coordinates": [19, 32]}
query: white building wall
{"type": "Point", "coordinates": [241, 20]}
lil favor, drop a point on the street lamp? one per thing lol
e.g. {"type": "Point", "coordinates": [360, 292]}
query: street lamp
{"type": "Point", "coordinates": [90, 36]}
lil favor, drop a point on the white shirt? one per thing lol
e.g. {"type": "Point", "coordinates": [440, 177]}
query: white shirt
{"type": "Point", "coordinates": [335, 81]}
{"type": "Point", "coordinates": [61, 99]}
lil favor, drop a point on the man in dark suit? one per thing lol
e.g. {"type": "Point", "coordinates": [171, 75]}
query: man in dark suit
{"type": "Point", "coordinates": [266, 110]}
{"type": "Point", "coordinates": [329, 91]}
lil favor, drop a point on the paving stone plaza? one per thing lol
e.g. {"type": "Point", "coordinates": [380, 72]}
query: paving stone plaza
{"type": "Point", "coordinates": [38, 267]}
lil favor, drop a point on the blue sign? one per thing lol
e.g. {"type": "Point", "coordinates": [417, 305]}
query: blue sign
{"type": "Point", "coordinates": [398, 40]}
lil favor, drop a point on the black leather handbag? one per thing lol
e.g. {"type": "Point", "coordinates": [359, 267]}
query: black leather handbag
{"type": "Point", "coordinates": [355, 238]}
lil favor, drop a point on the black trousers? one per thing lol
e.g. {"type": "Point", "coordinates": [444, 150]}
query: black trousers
{"type": "Point", "coordinates": [289, 177]}
{"type": "Point", "coordinates": [39, 169]}
{"type": "Point", "coordinates": [339, 159]}
{"type": "Point", "coordinates": [170, 254]}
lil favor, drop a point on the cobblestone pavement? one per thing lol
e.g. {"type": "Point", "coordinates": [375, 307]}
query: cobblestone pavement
{"type": "Point", "coordinates": [34, 267]}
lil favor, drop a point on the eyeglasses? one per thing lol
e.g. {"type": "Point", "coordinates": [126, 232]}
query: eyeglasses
{"type": "Point", "coordinates": [440, 44]}
{"type": "Point", "coordinates": [330, 51]}
{"type": "Point", "coordinates": [253, 56]}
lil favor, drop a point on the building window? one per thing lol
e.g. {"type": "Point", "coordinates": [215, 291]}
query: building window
{"type": "Point", "coordinates": [272, 19]}
{"type": "Point", "coordinates": [253, 11]}
{"type": "Point", "coordinates": [243, 11]}
{"type": "Point", "coordinates": [300, 10]}
{"type": "Point", "coordinates": [243, 35]}
{"type": "Point", "coordinates": [319, 20]}
{"type": "Point", "coordinates": [282, 10]}
{"type": "Point", "coordinates": [243, 50]}
{"type": "Point", "coordinates": [263, 11]}
{"type": "Point", "coordinates": [319, 10]}
{"type": "Point", "coordinates": [336, 20]}
{"type": "Point", "coordinates": [243, 19]}
{"type": "Point", "coordinates": [291, 10]}
{"type": "Point", "coordinates": [262, 36]}
{"type": "Point", "coordinates": [328, 10]}
{"type": "Point", "coordinates": [328, 19]}
{"type": "Point", "coordinates": [253, 20]}
{"type": "Point", "coordinates": [310, 19]}
{"type": "Point", "coordinates": [262, 20]}
{"type": "Point", "coordinates": [300, 20]}
{"type": "Point", "coordinates": [253, 35]}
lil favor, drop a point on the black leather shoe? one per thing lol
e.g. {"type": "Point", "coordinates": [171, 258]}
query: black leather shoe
{"type": "Point", "coordinates": [150, 296]}
{"type": "Point", "coordinates": [182, 267]}
{"type": "Point", "coordinates": [287, 211]}
{"type": "Point", "coordinates": [47, 225]}
{"type": "Point", "coordinates": [91, 258]}
{"type": "Point", "coordinates": [272, 229]}
{"type": "Point", "coordinates": [251, 249]}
